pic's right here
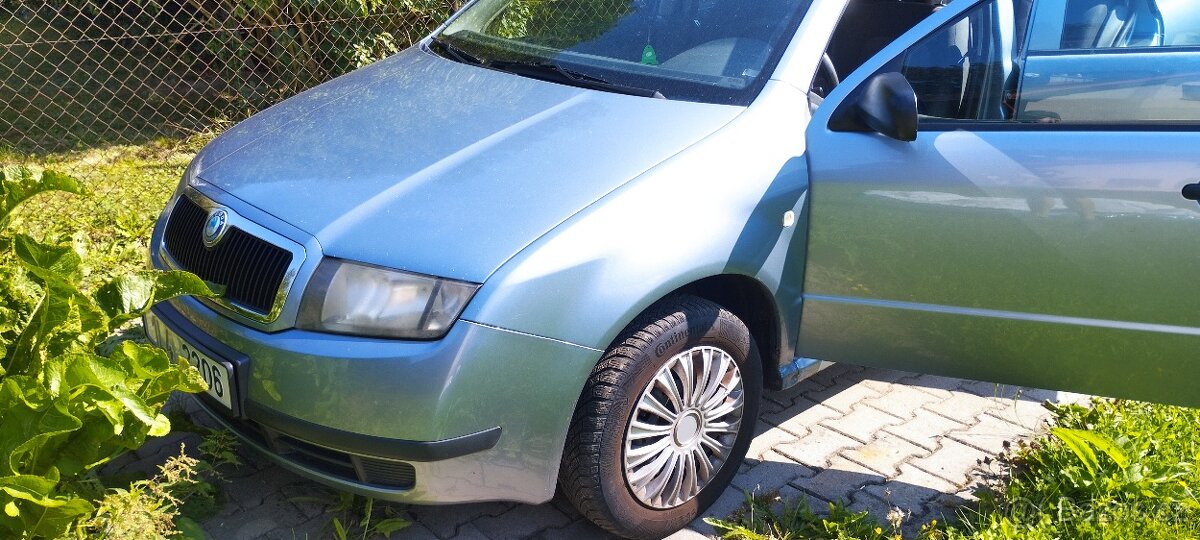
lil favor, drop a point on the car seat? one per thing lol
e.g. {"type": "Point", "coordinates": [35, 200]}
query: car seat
{"type": "Point", "coordinates": [1102, 24]}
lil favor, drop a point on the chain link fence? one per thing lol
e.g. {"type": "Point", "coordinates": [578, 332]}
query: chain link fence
{"type": "Point", "coordinates": [111, 90]}
{"type": "Point", "coordinates": [91, 72]}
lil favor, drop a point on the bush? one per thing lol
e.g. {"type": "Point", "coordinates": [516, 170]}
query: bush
{"type": "Point", "coordinates": [65, 408]}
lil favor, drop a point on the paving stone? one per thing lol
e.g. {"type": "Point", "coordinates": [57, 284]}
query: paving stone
{"type": "Point", "coordinates": [939, 386]}
{"type": "Point", "coordinates": [952, 462]}
{"type": "Point", "coordinates": [309, 497]}
{"type": "Point", "coordinates": [902, 401]}
{"type": "Point", "coordinates": [837, 482]}
{"type": "Point", "coordinates": [726, 504]}
{"type": "Point", "coordinates": [884, 454]}
{"type": "Point", "coordinates": [158, 449]}
{"type": "Point", "coordinates": [521, 522]}
{"type": "Point", "coordinates": [989, 434]}
{"type": "Point", "coordinates": [445, 520]}
{"type": "Point", "coordinates": [766, 439]}
{"type": "Point", "coordinates": [880, 510]}
{"type": "Point", "coordinates": [925, 429]}
{"type": "Point", "coordinates": [962, 407]}
{"type": "Point", "coordinates": [689, 534]}
{"type": "Point", "coordinates": [843, 399]}
{"type": "Point", "coordinates": [1031, 415]}
{"type": "Point", "coordinates": [470, 532]}
{"type": "Point", "coordinates": [945, 506]}
{"type": "Point", "coordinates": [991, 389]}
{"type": "Point", "coordinates": [767, 406]}
{"type": "Point", "coordinates": [863, 423]}
{"type": "Point", "coordinates": [255, 528]}
{"type": "Point", "coordinates": [313, 529]}
{"type": "Point", "coordinates": [251, 491]}
{"type": "Point", "coordinates": [274, 513]}
{"type": "Point", "coordinates": [816, 449]}
{"type": "Point", "coordinates": [788, 397]}
{"type": "Point", "coordinates": [883, 380]}
{"type": "Point", "coordinates": [840, 375]}
{"type": "Point", "coordinates": [580, 529]}
{"type": "Point", "coordinates": [912, 489]}
{"type": "Point", "coordinates": [414, 531]}
{"type": "Point", "coordinates": [802, 417]}
{"type": "Point", "coordinates": [771, 473]}
{"type": "Point", "coordinates": [790, 496]}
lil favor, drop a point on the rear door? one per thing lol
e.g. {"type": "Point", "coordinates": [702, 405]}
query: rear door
{"type": "Point", "coordinates": [1034, 233]}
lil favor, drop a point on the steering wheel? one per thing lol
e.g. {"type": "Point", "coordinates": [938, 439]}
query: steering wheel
{"type": "Point", "coordinates": [830, 71]}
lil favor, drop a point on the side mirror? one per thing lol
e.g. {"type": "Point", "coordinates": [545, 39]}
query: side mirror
{"type": "Point", "coordinates": [885, 104]}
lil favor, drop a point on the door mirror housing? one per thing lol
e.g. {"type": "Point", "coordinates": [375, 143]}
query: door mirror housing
{"type": "Point", "coordinates": [886, 104]}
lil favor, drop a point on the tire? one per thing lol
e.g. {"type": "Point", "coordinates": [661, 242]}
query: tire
{"type": "Point", "coordinates": [624, 497]}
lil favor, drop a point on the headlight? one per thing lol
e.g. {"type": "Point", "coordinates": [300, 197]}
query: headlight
{"type": "Point", "coordinates": [349, 298]}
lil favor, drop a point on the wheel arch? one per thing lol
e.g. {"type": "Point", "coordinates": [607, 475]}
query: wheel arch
{"type": "Point", "coordinates": [749, 300]}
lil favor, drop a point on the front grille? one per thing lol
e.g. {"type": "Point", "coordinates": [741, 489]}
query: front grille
{"type": "Point", "coordinates": [383, 472]}
{"type": "Point", "coordinates": [250, 268]}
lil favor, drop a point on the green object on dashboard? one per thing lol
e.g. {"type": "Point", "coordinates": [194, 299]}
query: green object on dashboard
{"type": "Point", "coordinates": [649, 57]}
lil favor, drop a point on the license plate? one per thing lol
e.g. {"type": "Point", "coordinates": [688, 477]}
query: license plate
{"type": "Point", "coordinates": [214, 372]}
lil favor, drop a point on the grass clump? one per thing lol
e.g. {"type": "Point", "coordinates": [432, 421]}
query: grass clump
{"type": "Point", "coordinates": [768, 517]}
{"type": "Point", "coordinates": [1114, 470]}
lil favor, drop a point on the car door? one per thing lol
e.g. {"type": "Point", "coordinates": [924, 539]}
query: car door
{"type": "Point", "coordinates": [1033, 232]}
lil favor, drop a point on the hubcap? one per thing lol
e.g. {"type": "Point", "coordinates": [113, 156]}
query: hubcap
{"type": "Point", "coordinates": [683, 427]}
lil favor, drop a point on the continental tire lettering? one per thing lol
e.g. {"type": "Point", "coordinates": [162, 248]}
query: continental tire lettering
{"type": "Point", "coordinates": [674, 339]}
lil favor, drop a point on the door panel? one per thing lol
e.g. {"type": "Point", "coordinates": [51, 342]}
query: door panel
{"type": "Point", "coordinates": [1040, 255]}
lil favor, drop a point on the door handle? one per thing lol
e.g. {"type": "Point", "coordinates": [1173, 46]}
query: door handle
{"type": "Point", "coordinates": [1191, 192]}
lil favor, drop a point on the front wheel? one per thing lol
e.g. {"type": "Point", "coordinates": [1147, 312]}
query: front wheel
{"type": "Point", "coordinates": [664, 420]}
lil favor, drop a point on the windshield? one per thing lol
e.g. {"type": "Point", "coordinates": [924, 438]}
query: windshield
{"type": "Point", "coordinates": [713, 51]}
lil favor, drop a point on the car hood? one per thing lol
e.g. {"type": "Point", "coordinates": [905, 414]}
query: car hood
{"type": "Point", "coordinates": [427, 165]}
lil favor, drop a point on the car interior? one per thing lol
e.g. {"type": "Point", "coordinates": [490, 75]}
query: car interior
{"type": "Point", "coordinates": [866, 27]}
{"type": "Point", "coordinates": [1103, 24]}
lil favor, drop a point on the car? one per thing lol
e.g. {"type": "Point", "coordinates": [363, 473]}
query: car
{"type": "Point", "coordinates": [569, 244]}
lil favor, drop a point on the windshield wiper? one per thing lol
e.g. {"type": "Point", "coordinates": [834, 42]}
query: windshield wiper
{"type": "Point", "coordinates": [546, 69]}
{"type": "Point", "coordinates": [456, 52]}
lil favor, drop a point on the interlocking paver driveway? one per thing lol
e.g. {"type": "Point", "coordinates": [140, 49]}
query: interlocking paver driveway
{"type": "Point", "coordinates": [877, 439]}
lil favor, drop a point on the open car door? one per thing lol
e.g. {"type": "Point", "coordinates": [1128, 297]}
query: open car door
{"type": "Point", "coordinates": [982, 208]}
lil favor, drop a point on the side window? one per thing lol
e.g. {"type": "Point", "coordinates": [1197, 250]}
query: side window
{"type": "Point", "coordinates": [865, 28]}
{"type": "Point", "coordinates": [1110, 24]}
{"type": "Point", "coordinates": [1107, 62]}
{"type": "Point", "coordinates": [963, 70]}
{"type": "Point", "coordinates": [1112, 61]}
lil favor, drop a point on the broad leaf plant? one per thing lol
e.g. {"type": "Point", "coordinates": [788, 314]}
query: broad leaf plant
{"type": "Point", "coordinates": [65, 406]}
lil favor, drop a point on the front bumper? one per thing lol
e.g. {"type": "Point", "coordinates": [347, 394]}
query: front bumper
{"type": "Point", "coordinates": [479, 415]}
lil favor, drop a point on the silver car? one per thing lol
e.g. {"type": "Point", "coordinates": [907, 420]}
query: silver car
{"type": "Point", "coordinates": [568, 244]}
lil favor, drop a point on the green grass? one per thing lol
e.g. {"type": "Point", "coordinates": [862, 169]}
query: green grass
{"type": "Point", "coordinates": [1115, 470]}
{"type": "Point", "coordinates": [127, 187]}
{"type": "Point", "coordinates": [1118, 469]}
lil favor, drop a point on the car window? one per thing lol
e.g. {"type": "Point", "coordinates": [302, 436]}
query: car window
{"type": "Point", "coordinates": [1099, 62]}
{"type": "Point", "coordinates": [1109, 24]}
{"type": "Point", "coordinates": [865, 28]}
{"type": "Point", "coordinates": [1113, 61]}
{"type": "Point", "coordinates": [960, 72]}
{"type": "Point", "coordinates": [719, 51]}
